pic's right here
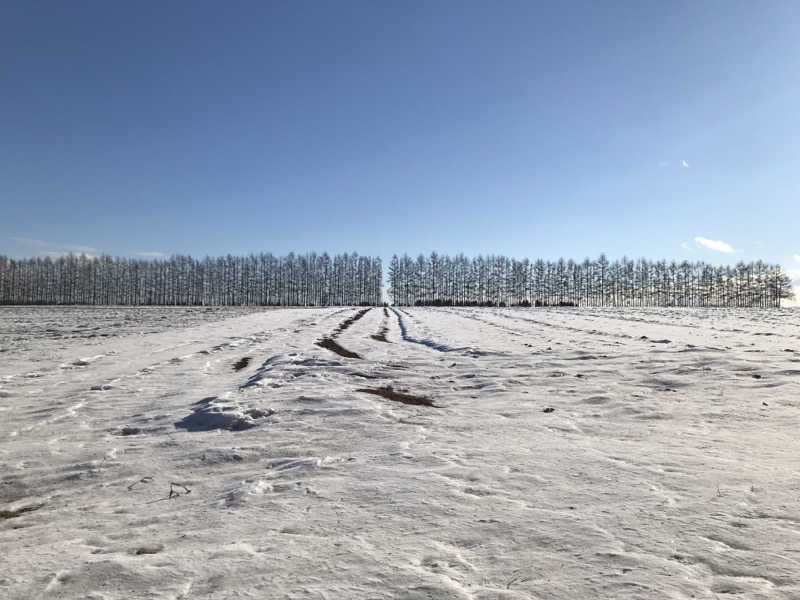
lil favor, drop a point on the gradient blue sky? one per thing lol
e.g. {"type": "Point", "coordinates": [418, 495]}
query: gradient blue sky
{"type": "Point", "coordinates": [524, 128]}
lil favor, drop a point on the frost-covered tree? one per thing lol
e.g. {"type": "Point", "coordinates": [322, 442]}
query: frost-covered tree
{"type": "Point", "coordinates": [498, 281]}
{"type": "Point", "coordinates": [254, 280]}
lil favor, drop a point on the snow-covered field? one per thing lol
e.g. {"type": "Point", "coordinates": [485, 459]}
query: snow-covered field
{"type": "Point", "coordinates": [591, 453]}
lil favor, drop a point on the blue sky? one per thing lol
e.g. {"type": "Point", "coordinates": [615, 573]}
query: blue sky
{"type": "Point", "coordinates": [529, 129]}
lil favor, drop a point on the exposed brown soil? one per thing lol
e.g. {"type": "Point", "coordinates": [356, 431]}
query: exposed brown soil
{"type": "Point", "coordinates": [329, 342]}
{"type": "Point", "coordinates": [241, 363]}
{"type": "Point", "coordinates": [129, 431]}
{"type": "Point", "coordinates": [388, 393]}
{"type": "Point", "coordinates": [346, 323]}
{"type": "Point", "coordinates": [10, 514]}
{"type": "Point", "coordinates": [381, 335]}
{"type": "Point", "coordinates": [333, 346]}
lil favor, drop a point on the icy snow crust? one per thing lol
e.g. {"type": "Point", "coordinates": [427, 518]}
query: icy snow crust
{"type": "Point", "coordinates": [618, 453]}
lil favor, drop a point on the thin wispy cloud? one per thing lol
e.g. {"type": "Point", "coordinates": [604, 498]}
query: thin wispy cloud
{"type": "Point", "coordinates": [53, 249]}
{"type": "Point", "coordinates": [686, 246]}
{"type": "Point", "coordinates": [663, 164]}
{"type": "Point", "coordinates": [685, 164]}
{"type": "Point", "coordinates": [797, 258]}
{"type": "Point", "coordinates": [58, 254]}
{"type": "Point", "coordinates": [717, 245]}
{"type": "Point", "coordinates": [151, 254]}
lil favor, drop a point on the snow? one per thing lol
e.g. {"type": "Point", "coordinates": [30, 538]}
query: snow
{"type": "Point", "coordinates": [137, 462]}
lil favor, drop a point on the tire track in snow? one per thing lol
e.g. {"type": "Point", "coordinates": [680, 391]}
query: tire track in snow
{"type": "Point", "coordinates": [329, 341]}
{"type": "Point", "coordinates": [424, 342]}
{"type": "Point", "coordinates": [588, 332]}
{"type": "Point", "coordinates": [384, 330]}
{"type": "Point", "coordinates": [473, 317]}
{"type": "Point", "coordinates": [673, 323]}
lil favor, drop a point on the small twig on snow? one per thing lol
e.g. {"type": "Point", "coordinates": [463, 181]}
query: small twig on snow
{"type": "Point", "coordinates": [147, 479]}
{"type": "Point", "coordinates": [175, 494]}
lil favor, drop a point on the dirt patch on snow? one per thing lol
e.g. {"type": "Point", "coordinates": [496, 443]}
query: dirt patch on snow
{"type": "Point", "coordinates": [330, 344]}
{"type": "Point", "coordinates": [11, 514]}
{"type": "Point", "coordinates": [241, 363]}
{"type": "Point", "coordinates": [388, 393]}
{"type": "Point", "coordinates": [381, 335]}
{"type": "Point", "coordinates": [329, 341]}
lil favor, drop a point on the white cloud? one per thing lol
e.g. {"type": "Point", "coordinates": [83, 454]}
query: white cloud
{"type": "Point", "coordinates": [717, 245]}
{"type": "Point", "coordinates": [53, 249]}
{"type": "Point", "coordinates": [151, 254]}
{"type": "Point", "coordinates": [685, 164]}
{"type": "Point", "coordinates": [797, 258]}
{"type": "Point", "coordinates": [794, 275]}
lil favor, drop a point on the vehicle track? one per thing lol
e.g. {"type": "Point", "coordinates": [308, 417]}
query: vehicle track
{"type": "Point", "coordinates": [389, 393]}
{"type": "Point", "coordinates": [384, 330]}
{"type": "Point", "coordinates": [578, 330]}
{"type": "Point", "coordinates": [329, 341]}
{"type": "Point", "coordinates": [474, 317]}
{"type": "Point", "coordinates": [671, 323]}
{"type": "Point", "coordinates": [423, 342]}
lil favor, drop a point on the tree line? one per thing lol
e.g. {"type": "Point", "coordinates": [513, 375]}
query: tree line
{"type": "Point", "coordinates": [349, 279]}
{"type": "Point", "coordinates": [254, 280]}
{"type": "Point", "coordinates": [438, 280]}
